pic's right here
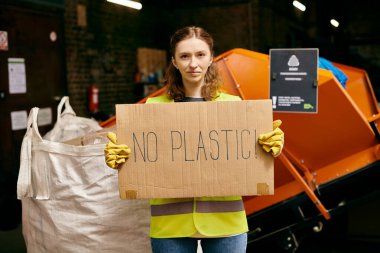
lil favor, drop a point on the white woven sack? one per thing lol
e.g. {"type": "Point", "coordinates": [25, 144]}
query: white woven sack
{"type": "Point", "coordinates": [70, 200]}
{"type": "Point", "coordinates": [70, 126]}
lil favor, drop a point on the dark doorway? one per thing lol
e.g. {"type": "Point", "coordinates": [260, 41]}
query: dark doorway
{"type": "Point", "coordinates": [32, 73]}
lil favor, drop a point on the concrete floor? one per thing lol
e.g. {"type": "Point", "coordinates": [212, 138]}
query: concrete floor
{"type": "Point", "coordinates": [12, 241]}
{"type": "Point", "coordinates": [356, 231]}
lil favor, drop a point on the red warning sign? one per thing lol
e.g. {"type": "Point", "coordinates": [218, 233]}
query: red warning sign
{"type": "Point", "coordinates": [3, 40]}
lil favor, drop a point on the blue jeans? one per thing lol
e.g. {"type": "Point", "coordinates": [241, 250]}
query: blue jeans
{"type": "Point", "coordinates": [233, 244]}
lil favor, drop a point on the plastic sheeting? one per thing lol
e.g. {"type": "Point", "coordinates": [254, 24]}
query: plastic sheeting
{"type": "Point", "coordinates": [326, 64]}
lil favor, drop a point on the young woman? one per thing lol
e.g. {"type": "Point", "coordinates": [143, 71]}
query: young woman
{"type": "Point", "coordinates": [177, 224]}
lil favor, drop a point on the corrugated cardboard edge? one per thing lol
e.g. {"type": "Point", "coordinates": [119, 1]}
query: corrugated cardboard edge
{"type": "Point", "coordinates": [262, 189]}
{"type": "Point", "coordinates": [129, 194]}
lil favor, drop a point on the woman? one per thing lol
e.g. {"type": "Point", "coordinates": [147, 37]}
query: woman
{"type": "Point", "coordinates": [177, 224]}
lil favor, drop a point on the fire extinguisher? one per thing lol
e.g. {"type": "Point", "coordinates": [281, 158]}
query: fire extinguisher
{"type": "Point", "coordinates": [93, 98]}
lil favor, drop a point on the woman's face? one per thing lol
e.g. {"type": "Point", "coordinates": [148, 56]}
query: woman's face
{"type": "Point", "coordinates": [192, 58]}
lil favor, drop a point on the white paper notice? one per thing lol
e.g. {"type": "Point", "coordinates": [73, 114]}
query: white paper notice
{"type": "Point", "coordinates": [44, 116]}
{"type": "Point", "coordinates": [17, 78]}
{"type": "Point", "coordinates": [19, 120]}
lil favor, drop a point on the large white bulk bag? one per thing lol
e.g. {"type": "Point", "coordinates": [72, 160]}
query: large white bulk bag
{"type": "Point", "coordinates": [70, 200]}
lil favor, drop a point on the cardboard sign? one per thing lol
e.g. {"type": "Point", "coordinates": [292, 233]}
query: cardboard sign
{"type": "Point", "coordinates": [294, 80]}
{"type": "Point", "coordinates": [195, 149]}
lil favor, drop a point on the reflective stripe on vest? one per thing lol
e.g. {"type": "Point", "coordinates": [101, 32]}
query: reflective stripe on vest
{"type": "Point", "coordinates": [172, 208]}
{"type": "Point", "coordinates": [201, 207]}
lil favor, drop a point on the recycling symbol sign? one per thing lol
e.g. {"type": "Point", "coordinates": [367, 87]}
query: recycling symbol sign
{"type": "Point", "coordinates": [294, 80]}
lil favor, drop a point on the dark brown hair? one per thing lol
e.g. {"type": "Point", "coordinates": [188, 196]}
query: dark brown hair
{"type": "Point", "coordinates": [173, 78]}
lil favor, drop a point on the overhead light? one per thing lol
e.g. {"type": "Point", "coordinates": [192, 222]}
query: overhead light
{"type": "Point", "coordinates": [299, 5]}
{"type": "Point", "coordinates": [334, 22]}
{"type": "Point", "coordinates": [127, 3]}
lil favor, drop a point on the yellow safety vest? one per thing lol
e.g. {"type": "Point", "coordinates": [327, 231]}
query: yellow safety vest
{"type": "Point", "coordinates": [208, 216]}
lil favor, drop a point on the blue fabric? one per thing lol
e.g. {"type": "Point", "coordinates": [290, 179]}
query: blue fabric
{"type": "Point", "coordinates": [232, 244]}
{"type": "Point", "coordinates": [326, 64]}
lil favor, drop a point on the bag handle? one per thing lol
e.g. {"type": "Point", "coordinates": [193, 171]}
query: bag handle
{"type": "Point", "coordinates": [32, 122]}
{"type": "Point", "coordinates": [24, 188]}
{"type": "Point", "coordinates": [68, 108]}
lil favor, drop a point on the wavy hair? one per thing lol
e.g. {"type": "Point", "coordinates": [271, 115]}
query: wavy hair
{"type": "Point", "coordinates": [173, 78]}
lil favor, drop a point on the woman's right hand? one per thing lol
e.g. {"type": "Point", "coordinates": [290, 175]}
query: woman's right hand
{"type": "Point", "coordinates": [115, 154]}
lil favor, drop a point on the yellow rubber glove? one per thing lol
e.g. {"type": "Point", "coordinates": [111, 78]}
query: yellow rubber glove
{"type": "Point", "coordinates": [273, 141]}
{"type": "Point", "coordinates": [115, 154]}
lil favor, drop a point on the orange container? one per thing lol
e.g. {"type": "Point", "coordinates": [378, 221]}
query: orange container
{"type": "Point", "coordinates": [330, 159]}
{"type": "Point", "coordinates": [315, 143]}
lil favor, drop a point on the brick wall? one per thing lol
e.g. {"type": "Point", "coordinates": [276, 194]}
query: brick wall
{"type": "Point", "coordinates": [102, 52]}
{"type": "Point", "coordinates": [231, 25]}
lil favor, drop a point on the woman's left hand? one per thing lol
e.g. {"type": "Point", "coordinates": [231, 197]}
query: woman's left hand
{"type": "Point", "coordinates": [273, 141]}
